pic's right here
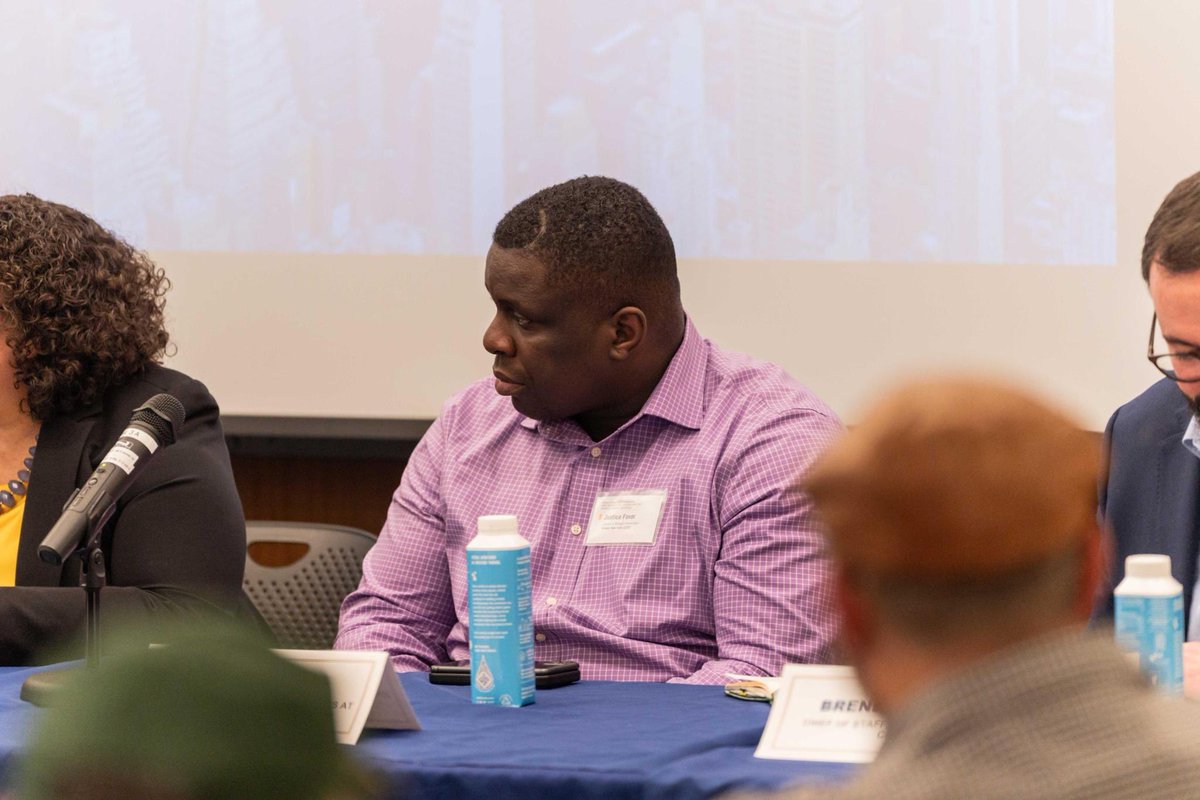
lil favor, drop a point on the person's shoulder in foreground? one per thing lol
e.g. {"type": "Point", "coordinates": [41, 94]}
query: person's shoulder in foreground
{"type": "Point", "coordinates": [1066, 718]}
{"type": "Point", "coordinates": [603, 386]}
{"type": "Point", "coordinates": [85, 332]}
{"type": "Point", "coordinates": [965, 581]}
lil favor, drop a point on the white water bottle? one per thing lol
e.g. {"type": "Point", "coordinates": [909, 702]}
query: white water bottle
{"type": "Point", "coordinates": [500, 613]}
{"type": "Point", "coordinates": [1149, 619]}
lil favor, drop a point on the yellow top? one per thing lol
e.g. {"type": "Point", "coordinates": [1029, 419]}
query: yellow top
{"type": "Point", "coordinates": [10, 535]}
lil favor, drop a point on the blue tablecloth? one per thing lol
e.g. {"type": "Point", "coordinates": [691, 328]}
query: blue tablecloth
{"type": "Point", "coordinates": [594, 739]}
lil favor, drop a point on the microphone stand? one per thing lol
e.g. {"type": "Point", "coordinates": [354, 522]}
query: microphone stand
{"type": "Point", "coordinates": [39, 688]}
{"type": "Point", "coordinates": [92, 577]}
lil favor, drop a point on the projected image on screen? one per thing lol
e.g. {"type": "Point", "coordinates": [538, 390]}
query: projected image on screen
{"type": "Point", "coordinates": [975, 131]}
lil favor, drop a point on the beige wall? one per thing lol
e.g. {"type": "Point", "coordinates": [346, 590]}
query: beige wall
{"type": "Point", "coordinates": [394, 336]}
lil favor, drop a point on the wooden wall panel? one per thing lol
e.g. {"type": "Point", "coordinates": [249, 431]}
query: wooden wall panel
{"type": "Point", "coordinates": [341, 491]}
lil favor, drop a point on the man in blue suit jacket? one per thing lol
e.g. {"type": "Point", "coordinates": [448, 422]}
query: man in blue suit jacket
{"type": "Point", "coordinates": [1153, 484]}
{"type": "Point", "coordinates": [1150, 500]}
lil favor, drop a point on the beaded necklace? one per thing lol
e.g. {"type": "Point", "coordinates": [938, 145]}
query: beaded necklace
{"type": "Point", "coordinates": [18, 485]}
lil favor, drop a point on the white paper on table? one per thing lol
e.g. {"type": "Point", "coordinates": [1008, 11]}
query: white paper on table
{"type": "Point", "coordinates": [366, 691]}
{"type": "Point", "coordinates": [820, 713]}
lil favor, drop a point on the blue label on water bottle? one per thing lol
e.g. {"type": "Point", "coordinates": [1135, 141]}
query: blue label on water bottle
{"type": "Point", "coordinates": [1152, 627]}
{"type": "Point", "coordinates": [500, 607]}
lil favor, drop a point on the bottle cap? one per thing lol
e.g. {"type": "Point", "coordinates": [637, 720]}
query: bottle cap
{"type": "Point", "coordinates": [497, 525]}
{"type": "Point", "coordinates": [1148, 566]}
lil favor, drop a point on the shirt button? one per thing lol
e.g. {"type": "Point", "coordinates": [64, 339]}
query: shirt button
{"type": "Point", "coordinates": [551, 601]}
{"type": "Point", "coordinates": [541, 637]}
{"type": "Point", "coordinates": [595, 452]}
{"type": "Point", "coordinates": [576, 529]}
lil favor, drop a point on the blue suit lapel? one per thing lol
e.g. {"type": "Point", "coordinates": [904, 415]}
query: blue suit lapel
{"type": "Point", "coordinates": [1175, 524]}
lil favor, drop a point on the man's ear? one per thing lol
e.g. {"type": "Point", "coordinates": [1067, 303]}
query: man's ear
{"type": "Point", "coordinates": [1094, 561]}
{"type": "Point", "coordinates": [628, 331]}
{"type": "Point", "coordinates": [858, 623]}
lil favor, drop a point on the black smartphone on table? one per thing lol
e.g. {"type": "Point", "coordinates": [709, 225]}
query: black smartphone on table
{"type": "Point", "coordinates": [546, 674]}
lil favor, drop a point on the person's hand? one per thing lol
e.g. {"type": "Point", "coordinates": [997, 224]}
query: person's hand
{"type": "Point", "coordinates": [1191, 670]}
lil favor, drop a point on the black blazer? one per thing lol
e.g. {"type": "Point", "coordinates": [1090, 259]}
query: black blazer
{"type": "Point", "coordinates": [1149, 496]}
{"type": "Point", "coordinates": [176, 544]}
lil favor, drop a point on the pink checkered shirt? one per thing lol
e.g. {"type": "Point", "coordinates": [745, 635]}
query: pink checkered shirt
{"type": "Point", "coordinates": [735, 581]}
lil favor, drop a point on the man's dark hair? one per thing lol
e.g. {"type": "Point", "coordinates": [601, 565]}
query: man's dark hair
{"type": "Point", "coordinates": [600, 235]}
{"type": "Point", "coordinates": [1173, 238]}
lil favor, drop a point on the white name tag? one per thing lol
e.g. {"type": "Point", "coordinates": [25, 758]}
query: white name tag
{"type": "Point", "coordinates": [820, 713]}
{"type": "Point", "coordinates": [366, 691]}
{"type": "Point", "coordinates": [626, 517]}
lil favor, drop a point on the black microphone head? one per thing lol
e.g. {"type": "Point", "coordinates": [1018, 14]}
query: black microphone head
{"type": "Point", "coordinates": [162, 414]}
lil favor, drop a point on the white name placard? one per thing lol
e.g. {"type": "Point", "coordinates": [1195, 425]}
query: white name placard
{"type": "Point", "coordinates": [366, 691]}
{"type": "Point", "coordinates": [820, 713]}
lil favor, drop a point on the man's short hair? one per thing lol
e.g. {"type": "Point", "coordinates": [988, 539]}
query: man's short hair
{"type": "Point", "coordinates": [1173, 238]}
{"type": "Point", "coordinates": [999, 608]}
{"type": "Point", "coordinates": [600, 235]}
{"type": "Point", "coordinates": [960, 488]}
{"type": "Point", "coordinates": [957, 478]}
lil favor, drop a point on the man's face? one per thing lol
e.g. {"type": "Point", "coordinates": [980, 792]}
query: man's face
{"type": "Point", "coordinates": [552, 346]}
{"type": "Point", "coordinates": [1176, 299]}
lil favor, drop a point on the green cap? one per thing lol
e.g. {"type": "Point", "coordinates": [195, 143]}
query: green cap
{"type": "Point", "coordinates": [214, 714]}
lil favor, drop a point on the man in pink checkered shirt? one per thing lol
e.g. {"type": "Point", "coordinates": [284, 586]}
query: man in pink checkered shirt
{"type": "Point", "coordinates": [605, 396]}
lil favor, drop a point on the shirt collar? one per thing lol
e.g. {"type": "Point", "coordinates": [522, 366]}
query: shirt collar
{"type": "Point", "coordinates": [679, 396]}
{"type": "Point", "coordinates": [1191, 436]}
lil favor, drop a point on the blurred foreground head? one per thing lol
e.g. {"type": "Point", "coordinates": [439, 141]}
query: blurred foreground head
{"type": "Point", "coordinates": [961, 515]}
{"type": "Point", "coordinates": [213, 715]}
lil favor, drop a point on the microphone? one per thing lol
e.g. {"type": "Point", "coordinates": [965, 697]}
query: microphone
{"type": "Point", "coordinates": [151, 427]}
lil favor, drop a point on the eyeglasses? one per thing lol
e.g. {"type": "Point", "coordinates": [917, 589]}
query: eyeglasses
{"type": "Point", "coordinates": [1178, 365]}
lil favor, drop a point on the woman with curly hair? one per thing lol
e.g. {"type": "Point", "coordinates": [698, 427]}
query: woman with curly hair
{"type": "Point", "coordinates": [81, 319]}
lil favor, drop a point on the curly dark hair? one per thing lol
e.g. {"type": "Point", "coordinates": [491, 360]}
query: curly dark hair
{"type": "Point", "coordinates": [600, 235]}
{"type": "Point", "coordinates": [82, 310]}
{"type": "Point", "coordinates": [1173, 238]}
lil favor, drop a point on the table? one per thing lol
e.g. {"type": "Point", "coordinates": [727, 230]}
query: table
{"type": "Point", "coordinates": [593, 739]}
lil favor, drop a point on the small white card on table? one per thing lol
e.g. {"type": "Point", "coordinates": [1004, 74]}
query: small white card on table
{"type": "Point", "coordinates": [366, 691]}
{"type": "Point", "coordinates": [820, 713]}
